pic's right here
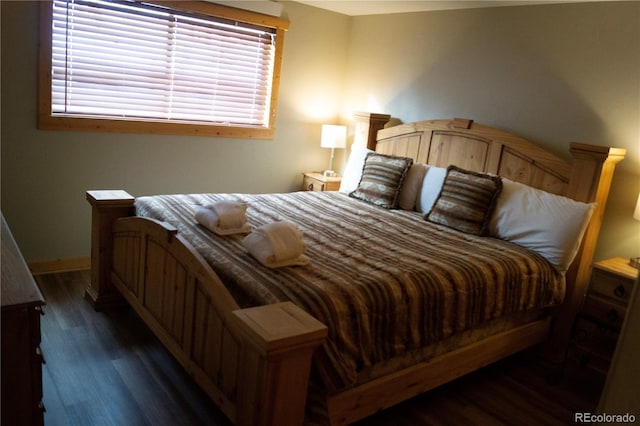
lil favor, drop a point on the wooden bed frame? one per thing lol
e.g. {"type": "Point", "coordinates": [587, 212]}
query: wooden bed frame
{"type": "Point", "coordinates": [254, 363]}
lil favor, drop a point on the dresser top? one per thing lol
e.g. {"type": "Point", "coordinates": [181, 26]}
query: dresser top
{"type": "Point", "coordinates": [18, 286]}
{"type": "Point", "coordinates": [321, 177]}
{"type": "Point", "coordinates": [619, 266]}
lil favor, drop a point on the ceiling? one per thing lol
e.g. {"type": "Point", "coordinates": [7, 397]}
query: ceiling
{"type": "Point", "coordinates": [376, 7]}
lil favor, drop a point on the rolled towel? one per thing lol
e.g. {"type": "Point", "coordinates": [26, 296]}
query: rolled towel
{"type": "Point", "coordinates": [231, 214]}
{"type": "Point", "coordinates": [277, 244]}
{"type": "Point", "coordinates": [224, 217]}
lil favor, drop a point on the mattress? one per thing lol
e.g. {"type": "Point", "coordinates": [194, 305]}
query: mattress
{"type": "Point", "coordinates": [385, 282]}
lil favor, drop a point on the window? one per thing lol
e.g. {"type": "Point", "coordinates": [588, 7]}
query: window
{"type": "Point", "coordinates": [149, 67]}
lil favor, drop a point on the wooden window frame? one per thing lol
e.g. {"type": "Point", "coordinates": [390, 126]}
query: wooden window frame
{"type": "Point", "coordinates": [47, 121]}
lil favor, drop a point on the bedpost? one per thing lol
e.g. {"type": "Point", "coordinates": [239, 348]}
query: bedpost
{"type": "Point", "coordinates": [278, 343]}
{"type": "Point", "coordinates": [591, 177]}
{"type": "Point", "coordinates": [367, 126]}
{"type": "Point", "coordinates": [106, 206]}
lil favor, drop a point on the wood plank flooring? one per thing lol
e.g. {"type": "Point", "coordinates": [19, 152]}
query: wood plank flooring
{"type": "Point", "coordinates": [106, 368]}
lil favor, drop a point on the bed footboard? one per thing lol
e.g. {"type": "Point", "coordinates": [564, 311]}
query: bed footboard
{"type": "Point", "coordinates": [254, 363]}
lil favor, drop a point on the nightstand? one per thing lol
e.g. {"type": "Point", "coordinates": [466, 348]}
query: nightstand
{"type": "Point", "coordinates": [314, 181]}
{"type": "Point", "coordinates": [598, 325]}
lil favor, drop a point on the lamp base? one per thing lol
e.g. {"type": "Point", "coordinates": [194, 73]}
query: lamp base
{"type": "Point", "coordinates": [329, 173]}
{"type": "Point", "coordinates": [635, 262]}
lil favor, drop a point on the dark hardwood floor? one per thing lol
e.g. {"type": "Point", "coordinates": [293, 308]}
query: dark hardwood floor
{"type": "Point", "coordinates": [106, 368]}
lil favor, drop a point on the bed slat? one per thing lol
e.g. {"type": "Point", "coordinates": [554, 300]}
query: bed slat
{"type": "Point", "coordinates": [365, 400]}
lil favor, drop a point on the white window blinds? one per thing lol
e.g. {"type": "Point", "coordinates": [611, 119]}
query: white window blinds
{"type": "Point", "coordinates": [137, 61]}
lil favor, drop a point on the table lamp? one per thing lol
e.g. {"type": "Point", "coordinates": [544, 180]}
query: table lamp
{"type": "Point", "coordinates": [635, 261]}
{"type": "Point", "coordinates": [333, 137]}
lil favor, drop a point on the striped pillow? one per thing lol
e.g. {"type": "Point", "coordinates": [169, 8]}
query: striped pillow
{"type": "Point", "coordinates": [382, 178]}
{"type": "Point", "coordinates": [466, 201]}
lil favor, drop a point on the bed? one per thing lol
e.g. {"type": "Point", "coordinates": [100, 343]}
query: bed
{"type": "Point", "coordinates": [397, 298]}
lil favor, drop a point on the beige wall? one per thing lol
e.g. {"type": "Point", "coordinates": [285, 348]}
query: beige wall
{"type": "Point", "coordinates": [45, 173]}
{"type": "Point", "coordinates": [553, 73]}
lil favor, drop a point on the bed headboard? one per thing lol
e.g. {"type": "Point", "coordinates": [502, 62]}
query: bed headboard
{"type": "Point", "coordinates": [480, 148]}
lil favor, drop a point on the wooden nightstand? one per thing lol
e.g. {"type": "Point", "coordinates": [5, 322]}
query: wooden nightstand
{"type": "Point", "coordinates": [597, 327]}
{"type": "Point", "coordinates": [314, 181]}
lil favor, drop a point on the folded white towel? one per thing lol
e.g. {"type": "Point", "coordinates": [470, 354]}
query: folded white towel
{"type": "Point", "coordinates": [224, 217]}
{"type": "Point", "coordinates": [277, 244]}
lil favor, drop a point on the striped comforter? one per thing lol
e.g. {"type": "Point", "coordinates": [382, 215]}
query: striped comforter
{"type": "Point", "coordinates": [384, 281]}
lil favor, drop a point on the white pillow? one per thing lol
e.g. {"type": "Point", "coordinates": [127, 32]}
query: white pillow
{"type": "Point", "coordinates": [411, 186]}
{"type": "Point", "coordinates": [548, 224]}
{"type": "Point", "coordinates": [353, 169]}
{"type": "Point", "coordinates": [431, 186]}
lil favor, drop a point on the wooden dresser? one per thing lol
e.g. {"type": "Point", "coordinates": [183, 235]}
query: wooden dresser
{"type": "Point", "coordinates": [21, 356]}
{"type": "Point", "coordinates": [598, 325]}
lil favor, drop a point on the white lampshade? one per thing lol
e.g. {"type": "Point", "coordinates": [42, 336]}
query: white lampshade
{"type": "Point", "coordinates": [635, 261]}
{"type": "Point", "coordinates": [333, 136]}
